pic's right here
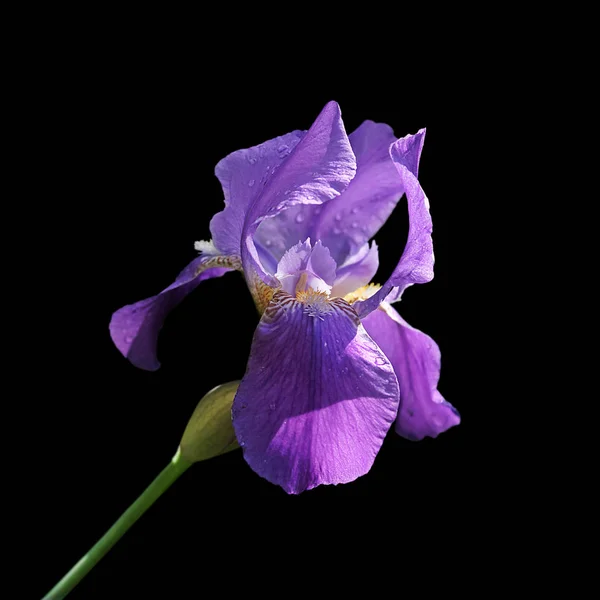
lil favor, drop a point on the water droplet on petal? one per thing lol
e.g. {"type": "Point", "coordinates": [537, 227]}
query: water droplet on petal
{"type": "Point", "coordinates": [251, 159]}
{"type": "Point", "coordinates": [338, 217]}
{"type": "Point", "coordinates": [379, 361]}
{"type": "Point", "coordinates": [354, 224]}
{"type": "Point", "coordinates": [272, 406]}
{"type": "Point", "coordinates": [318, 210]}
{"type": "Point", "coordinates": [354, 210]}
{"type": "Point", "coordinates": [283, 151]}
{"type": "Point", "coordinates": [337, 230]}
{"type": "Point", "coordinates": [268, 243]}
{"type": "Point", "coordinates": [129, 339]}
{"type": "Point", "coordinates": [299, 218]}
{"type": "Point", "coordinates": [251, 183]}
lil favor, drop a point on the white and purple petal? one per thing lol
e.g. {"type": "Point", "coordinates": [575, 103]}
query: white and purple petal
{"type": "Point", "coordinates": [416, 263]}
{"type": "Point", "coordinates": [318, 396]}
{"type": "Point", "coordinates": [305, 266]}
{"type": "Point", "coordinates": [416, 359]}
{"type": "Point", "coordinates": [134, 328]}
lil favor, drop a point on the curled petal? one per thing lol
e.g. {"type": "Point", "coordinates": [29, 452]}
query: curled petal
{"type": "Point", "coordinates": [318, 396]}
{"type": "Point", "coordinates": [416, 263]}
{"type": "Point", "coordinates": [319, 168]}
{"type": "Point", "coordinates": [416, 359]}
{"type": "Point", "coordinates": [134, 328]}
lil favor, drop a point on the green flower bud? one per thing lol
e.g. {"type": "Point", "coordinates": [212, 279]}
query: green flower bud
{"type": "Point", "coordinates": [209, 431]}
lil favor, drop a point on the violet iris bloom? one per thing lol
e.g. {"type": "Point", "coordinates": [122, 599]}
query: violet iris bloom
{"type": "Point", "coordinates": [332, 364]}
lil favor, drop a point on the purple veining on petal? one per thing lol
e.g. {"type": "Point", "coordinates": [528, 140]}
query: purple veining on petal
{"type": "Point", "coordinates": [319, 168]}
{"type": "Point", "coordinates": [357, 271]}
{"type": "Point", "coordinates": [317, 399]}
{"type": "Point", "coordinates": [416, 264]}
{"type": "Point", "coordinates": [134, 328]}
{"type": "Point", "coordinates": [243, 175]}
{"type": "Point", "coordinates": [307, 266]}
{"type": "Point", "coordinates": [416, 360]}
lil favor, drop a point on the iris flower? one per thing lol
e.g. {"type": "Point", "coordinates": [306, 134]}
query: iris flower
{"type": "Point", "coordinates": [332, 365]}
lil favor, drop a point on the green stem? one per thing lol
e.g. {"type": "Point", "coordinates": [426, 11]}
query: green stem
{"type": "Point", "coordinates": [165, 479]}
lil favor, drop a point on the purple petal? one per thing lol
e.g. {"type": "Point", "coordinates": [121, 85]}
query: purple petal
{"type": "Point", "coordinates": [347, 222]}
{"type": "Point", "coordinates": [243, 175]}
{"type": "Point", "coordinates": [357, 271]}
{"type": "Point", "coordinates": [312, 267]}
{"type": "Point", "coordinates": [134, 328]}
{"type": "Point", "coordinates": [416, 360]}
{"type": "Point", "coordinates": [319, 168]}
{"type": "Point", "coordinates": [416, 264]}
{"type": "Point", "coordinates": [317, 398]}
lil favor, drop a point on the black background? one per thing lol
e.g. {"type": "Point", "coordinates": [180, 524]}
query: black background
{"type": "Point", "coordinates": [133, 135]}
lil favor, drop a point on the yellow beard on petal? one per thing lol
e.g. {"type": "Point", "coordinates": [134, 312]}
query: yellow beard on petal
{"type": "Point", "coordinates": [228, 262]}
{"type": "Point", "coordinates": [261, 293]}
{"type": "Point", "coordinates": [362, 293]}
{"type": "Point", "coordinates": [315, 303]}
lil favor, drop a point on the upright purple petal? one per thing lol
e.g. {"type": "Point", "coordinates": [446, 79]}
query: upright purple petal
{"type": "Point", "coordinates": [416, 264]}
{"type": "Point", "coordinates": [319, 168]}
{"type": "Point", "coordinates": [243, 175]}
{"type": "Point", "coordinates": [350, 220]}
{"type": "Point", "coordinates": [317, 398]}
{"type": "Point", "coordinates": [347, 221]}
{"type": "Point", "coordinates": [134, 328]}
{"type": "Point", "coordinates": [416, 361]}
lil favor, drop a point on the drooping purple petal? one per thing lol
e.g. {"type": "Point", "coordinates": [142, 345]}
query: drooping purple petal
{"type": "Point", "coordinates": [319, 168]}
{"type": "Point", "coordinates": [307, 266]}
{"type": "Point", "coordinates": [416, 359]}
{"type": "Point", "coordinates": [357, 271]}
{"type": "Point", "coordinates": [416, 264]}
{"type": "Point", "coordinates": [243, 175]}
{"type": "Point", "coordinates": [317, 398]}
{"type": "Point", "coordinates": [134, 328]}
{"type": "Point", "coordinates": [347, 221]}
